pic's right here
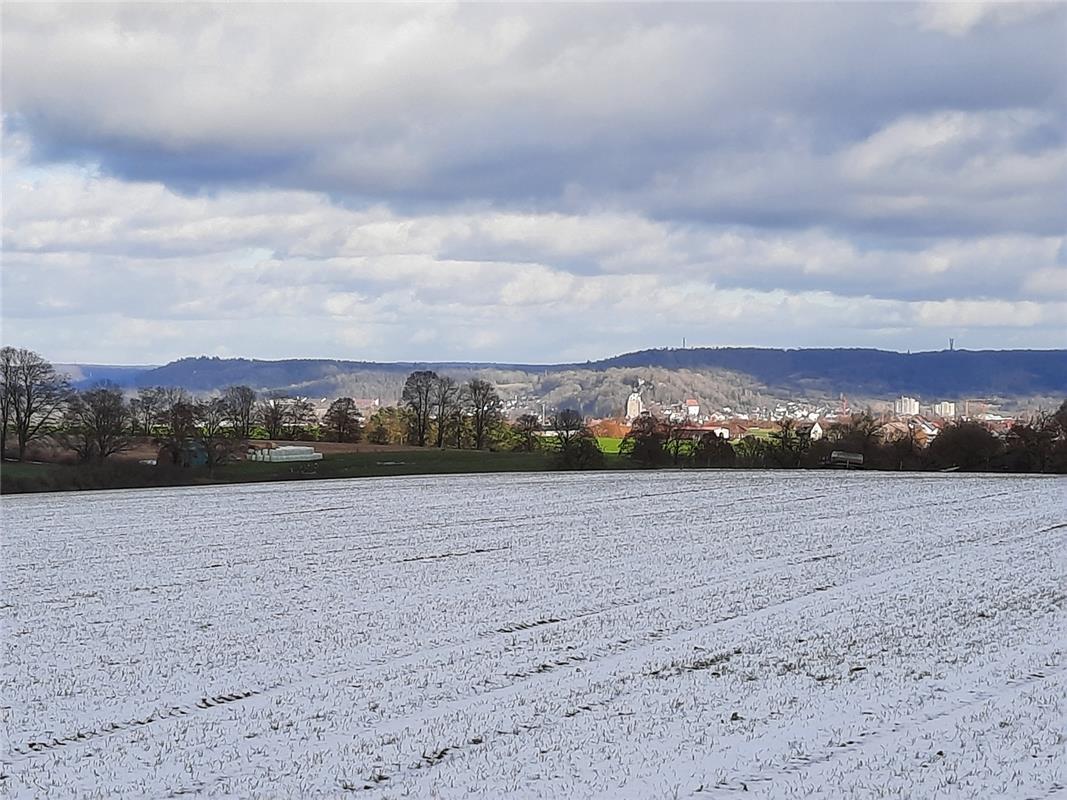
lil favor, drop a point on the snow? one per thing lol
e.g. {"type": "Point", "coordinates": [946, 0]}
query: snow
{"type": "Point", "coordinates": [613, 635]}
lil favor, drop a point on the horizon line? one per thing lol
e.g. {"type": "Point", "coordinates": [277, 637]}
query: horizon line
{"type": "Point", "coordinates": [416, 362]}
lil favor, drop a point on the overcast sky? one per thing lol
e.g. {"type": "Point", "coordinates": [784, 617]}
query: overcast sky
{"type": "Point", "coordinates": [531, 183]}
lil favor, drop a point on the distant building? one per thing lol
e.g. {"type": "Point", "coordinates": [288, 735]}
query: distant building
{"type": "Point", "coordinates": [810, 430]}
{"type": "Point", "coordinates": [286, 453]}
{"type": "Point", "coordinates": [905, 406]}
{"type": "Point", "coordinates": [893, 431]}
{"type": "Point", "coordinates": [190, 454]}
{"type": "Point", "coordinates": [842, 459]}
{"type": "Point", "coordinates": [924, 431]}
{"type": "Point", "coordinates": [945, 410]}
{"type": "Point", "coordinates": [692, 408]}
{"type": "Point", "coordinates": [695, 432]}
{"type": "Point", "coordinates": [635, 406]}
{"type": "Point", "coordinates": [367, 404]}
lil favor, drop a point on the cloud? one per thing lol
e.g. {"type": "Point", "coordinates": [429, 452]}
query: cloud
{"type": "Point", "coordinates": [961, 18]}
{"type": "Point", "coordinates": [412, 102]}
{"type": "Point", "coordinates": [523, 181]}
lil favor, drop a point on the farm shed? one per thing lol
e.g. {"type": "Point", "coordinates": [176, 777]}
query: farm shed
{"type": "Point", "coordinates": [285, 453]}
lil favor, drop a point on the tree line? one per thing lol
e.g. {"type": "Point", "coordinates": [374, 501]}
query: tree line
{"type": "Point", "coordinates": [1036, 445]}
{"type": "Point", "coordinates": [94, 424]}
{"type": "Point", "coordinates": [447, 413]}
{"type": "Point", "coordinates": [101, 421]}
{"type": "Point", "coordinates": [437, 411]}
{"type": "Point", "coordinates": [36, 401]}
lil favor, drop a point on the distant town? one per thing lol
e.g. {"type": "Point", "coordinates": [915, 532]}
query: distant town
{"type": "Point", "coordinates": [897, 418]}
{"type": "Point", "coordinates": [58, 436]}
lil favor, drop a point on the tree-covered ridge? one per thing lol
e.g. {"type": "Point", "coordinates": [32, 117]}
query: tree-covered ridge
{"type": "Point", "coordinates": [721, 376]}
{"type": "Point", "coordinates": [943, 372]}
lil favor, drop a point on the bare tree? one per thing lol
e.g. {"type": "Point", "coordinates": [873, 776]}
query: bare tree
{"type": "Point", "coordinates": [644, 442]}
{"type": "Point", "coordinates": [528, 426]}
{"type": "Point", "coordinates": [74, 435]}
{"type": "Point", "coordinates": [445, 400]}
{"type": "Point", "coordinates": [7, 394]}
{"type": "Point", "coordinates": [459, 427]}
{"type": "Point", "coordinates": [343, 420]}
{"type": "Point", "coordinates": [417, 396]}
{"type": "Point", "coordinates": [578, 447]}
{"type": "Point", "coordinates": [567, 425]}
{"type": "Point", "coordinates": [302, 418]}
{"type": "Point", "coordinates": [145, 408]}
{"type": "Point", "coordinates": [215, 431]}
{"type": "Point", "coordinates": [170, 396]}
{"type": "Point", "coordinates": [135, 415]}
{"type": "Point", "coordinates": [179, 429]}
{"type": "Point", "coordinates": [274, 415]}
{"type": "Point", "coordinates": [485, 407]}
{"type": "Point", "coordinates": [240, 404]}
{"type": "Point", "coordinates": [37, 396]}
{"type": "Point", "coordinates": [97, 423]}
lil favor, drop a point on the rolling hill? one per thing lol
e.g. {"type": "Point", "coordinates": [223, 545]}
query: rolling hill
{"type": "Point", "coordinates": [717, 376]}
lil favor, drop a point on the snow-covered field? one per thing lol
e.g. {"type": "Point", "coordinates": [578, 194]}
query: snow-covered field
{"type": "Point", "coordinates": [633, 635]}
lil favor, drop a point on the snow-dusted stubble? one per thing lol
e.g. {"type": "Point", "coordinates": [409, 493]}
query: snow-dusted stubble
{"type": "Point", "coordinates": [684, 634]}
